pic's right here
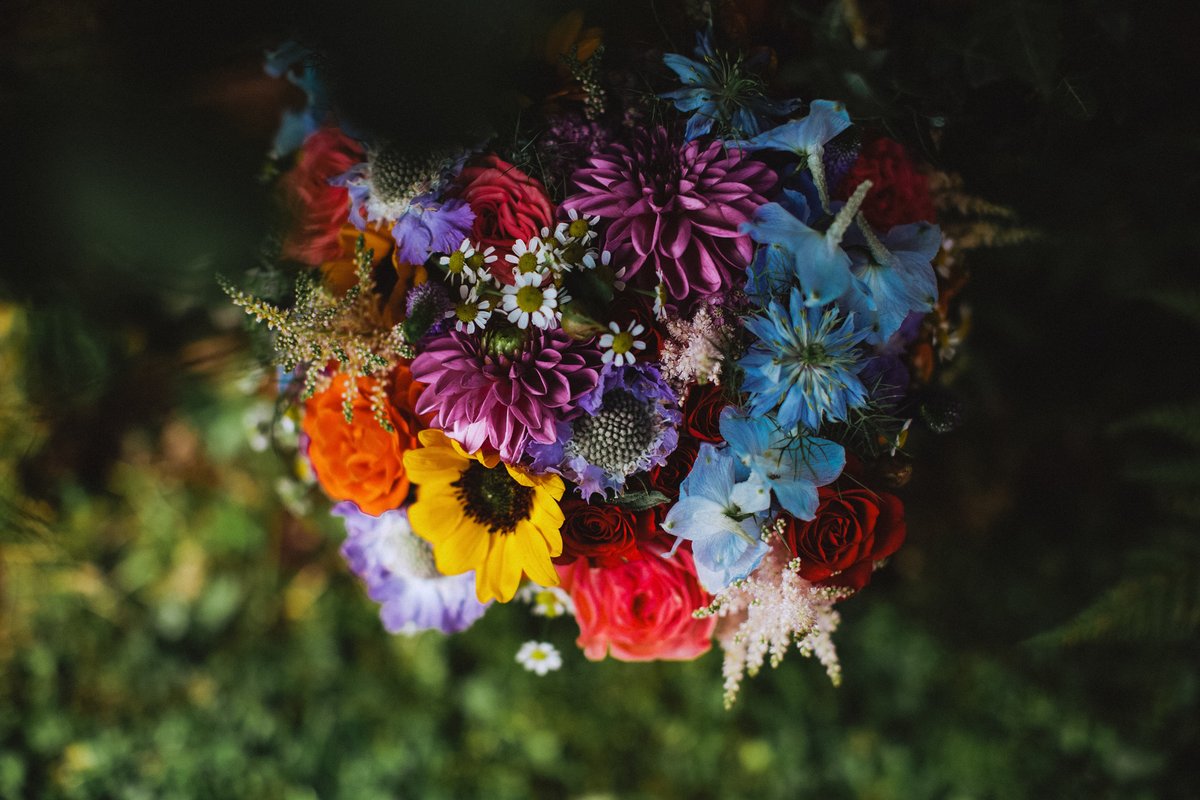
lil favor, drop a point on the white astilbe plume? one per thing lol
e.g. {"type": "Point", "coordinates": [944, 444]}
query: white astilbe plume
{"type": "Point", "coordinates": [777, 607]}
{"type": "Point", "coordinates": [693, 351]}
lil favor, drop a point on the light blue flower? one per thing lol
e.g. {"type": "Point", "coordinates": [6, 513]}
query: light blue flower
{"type": "Point", "coordinates": [298, 64]}
{"type": "Point", "coordinates": [796, 253]}
{"type": "Point", "coordinates": [718, 90]}
{"type": "Point", "coordinates": [793, 466]}
{"type": "Point", "coordinates": [894, 276]}
{"type": "Point", "coordinates": [720, 516]}
{"type": "Point", "coordinates": [806, 139]}
{"type": "Point", "coordinates": [805, 364]}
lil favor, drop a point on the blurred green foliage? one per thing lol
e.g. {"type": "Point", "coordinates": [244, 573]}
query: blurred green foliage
{"type": "Point", "coordinates": [168, 628]}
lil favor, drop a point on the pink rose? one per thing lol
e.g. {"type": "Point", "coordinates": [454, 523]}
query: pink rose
{"type": "Point", "coordinates": [640, 610]}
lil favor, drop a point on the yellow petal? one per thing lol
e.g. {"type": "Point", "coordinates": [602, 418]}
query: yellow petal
{"type": "Point", "coordinates": [432, 437]}
{"type": "Point", "coordinates": [433, 464]}
{"type": "Point", "coordinates": [535, 558]}
{"type": "Point", "coordinates": [466, 548]}
{"type": "Point", "coordinates": [500, 574]}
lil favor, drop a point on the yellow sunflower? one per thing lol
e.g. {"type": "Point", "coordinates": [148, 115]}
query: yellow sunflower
{"type": "Point", "coordinates": [499, 522]}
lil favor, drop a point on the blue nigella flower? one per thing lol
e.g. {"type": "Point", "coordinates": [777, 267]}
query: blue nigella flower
{"type": "Point", "coordinates": [720, 516]}
{"type": "Point", "coordinates": [720, 91]}
{"type": "Point", "coordinates": [793, 466]}
{"type": "Point", "coordinates": [895, 276]}
{"type": "Point", "coordinates": [804, 365]}
{"type": "Point", "coordinates": [398, 568]}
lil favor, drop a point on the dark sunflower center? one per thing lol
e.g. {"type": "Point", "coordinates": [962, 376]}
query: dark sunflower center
{"type": "Point", "coordinates": [492, 498]}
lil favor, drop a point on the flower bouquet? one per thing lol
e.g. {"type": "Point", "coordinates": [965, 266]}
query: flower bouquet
{"type": "Point", "coordinates": [650, 365]}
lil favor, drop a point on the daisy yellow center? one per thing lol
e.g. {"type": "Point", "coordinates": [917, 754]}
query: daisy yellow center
{"type": "Point", "coordinates": [457, 262]}
{"type": "Point", "coordinates": [476, 261]}
{"type": "Point", "coordinates": [492, 498]}
{"type": "Point", "coordinates": [572, 254]}
{"type": "Point", "coordinates": [466, 312]}
{"type": "Point", "coordinates": [537, 655]}
{"type": "Point", "coordinates": [578, 228]}
{"type": "Point", "coordinates": [622, 342]}
{"type": "Point", "coordinates": [529, 298]}
{"type": "Point", "coordinates": [527, 263]}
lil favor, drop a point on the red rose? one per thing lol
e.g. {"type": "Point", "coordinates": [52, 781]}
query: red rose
{"type": "Point", "coordinates": [852, 530]}
{"type": "Point", "coordinates": [605, 534]}
{"type": "Point", "coordinates": [508, 205]}
{"type": "Point", "coordinates": [702, 412]}
{"type": "Point", "coordinates": [899, 193]}
{"type": "Point", "coordinates": [666, 478]}
{"type": "Point", "coordinates": [640, 610]}
{"type": "Point", "coordinates": [320, 209]}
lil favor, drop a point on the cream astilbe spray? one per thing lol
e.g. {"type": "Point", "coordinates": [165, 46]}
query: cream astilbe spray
{"type": "Point", "coordinates": [765, 613]}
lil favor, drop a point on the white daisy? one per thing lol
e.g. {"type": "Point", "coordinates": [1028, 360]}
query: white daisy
{"type": "Point", "coordinates": [660, 299]}
{"type": "Point", "coordinates": [619, 345]}
{"type": "Point", "coordinates": [529, 257]}
{"type": "Point", "coordinates": [581, 228]}
{"type": "Point", "coordinates": [470, 313]}
{"type": "Point", "coordinates": [467, 263]}
{"type": "Point", "coordinates": [527, 301]}
{"type": "Point", "coordinates": [547, 601]}
{"type": "Point", "coordinates": [593, 258]}
{"type": "Point", "coordinates": [539, 657]}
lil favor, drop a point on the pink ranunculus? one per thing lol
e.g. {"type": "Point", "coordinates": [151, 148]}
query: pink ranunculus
{"type": "Point", "coordinates": [640, 610]}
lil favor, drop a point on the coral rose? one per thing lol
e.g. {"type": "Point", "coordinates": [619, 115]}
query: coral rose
{"type": "Point", "coordinates": [852, 530]}
{"type": "Point", "coordinates": [641, 610]}
{"type": "Point", "coordinates": [320, 209]}
{"type": "Point", "coordinates": [508, 205]}
{"type": "Point", "coordinates": [359, 460]}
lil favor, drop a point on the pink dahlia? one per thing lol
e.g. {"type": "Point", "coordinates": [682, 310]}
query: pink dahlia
{"type": "Point", "coordinates": [675, 211]}
{"type": "Point", "coordinates": [505, 390]}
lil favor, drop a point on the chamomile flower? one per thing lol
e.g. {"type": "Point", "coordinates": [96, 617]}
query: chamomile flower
{"type": "Point", "coordinates": [547, 601]}
{"type": "Point", "coordinates": [580, 227]}
{"type": "Point", "coordinates": [619, 346]}
{"type": "Point", "coordinates": [593, 258]}
{"type": "Point", "coordinates": [527, 301]}
{"type": "Point", "coordinates": [529, 258]}
{"type": "Point", "coordinates": [539, 657]}
{"type": "Point", "coordinates": [467, 264]}
{"type": "Point", "coordinates": [470, 313]}
{"type": "Point", "coordinates": [660, 299]}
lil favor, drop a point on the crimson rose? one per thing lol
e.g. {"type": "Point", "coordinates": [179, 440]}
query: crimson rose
{"type": "Point", "coordinates": [702, 412]}
{"type": "Point", "coordinates": [852, 530]}
{"type": "Point", "coordinates": [899, 192]}
{"type": "Point", "coordinates": [605, 534]}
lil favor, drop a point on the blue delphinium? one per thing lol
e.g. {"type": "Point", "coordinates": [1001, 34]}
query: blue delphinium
{"type": "Point", "coordinates": [793, 466]}
{"type": "Point", "coordinates": [719, 512]}
{"type": "Point", "coordinates": [298, 64]}
{"type": "Point", "coordinates": [894, 275]}
{"type": "Point", "coordinates": [806, 138]}
{"type": "Point", "coordinates": [804, 365]}
{"type": "Point", "coordinates": [720, 91]}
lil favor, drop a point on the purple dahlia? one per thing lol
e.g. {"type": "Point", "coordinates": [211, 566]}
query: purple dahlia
{"type": "Point", "coordinates": [675, 211]}
{"type": "Point", "coordinates": [505, 389]}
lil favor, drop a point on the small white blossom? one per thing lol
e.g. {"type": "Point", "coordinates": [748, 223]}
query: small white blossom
{"type": "Point", "coordinates": [619, 345]}
{"type": "Point", "coordinates": [547, 601]}
{"type": "Point", "coordinates": [539, 657]}
{"type": "Point", "coordinates": [470, 313]}
{"type": "Point", "coordinates": [528, 302]}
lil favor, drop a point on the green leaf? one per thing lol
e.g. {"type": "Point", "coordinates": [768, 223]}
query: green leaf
{"type": "Point", "coordinates": [640, 501]}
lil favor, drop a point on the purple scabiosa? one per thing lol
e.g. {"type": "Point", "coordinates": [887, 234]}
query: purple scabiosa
{"type": "Point", "coordinates": [505, 388]}
{"type": "Point", "coordinates": [675, 212]}
{"type": "Point", "coordinates": [398, 568]}
{"type": "Point", "coordinates": [426, 306]}
{"type": "Point", "coordinates": [804, 365]}
{"type": "Point", "coordinates": [630, 424]}
{"type": "Point", "coordinates": [400, 189]}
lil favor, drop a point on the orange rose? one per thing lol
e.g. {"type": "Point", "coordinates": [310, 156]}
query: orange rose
{"type": "Point", "coordinates": [359, 460]}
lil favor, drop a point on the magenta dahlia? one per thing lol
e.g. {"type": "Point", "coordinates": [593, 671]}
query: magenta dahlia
{"type": "Point", "coordinates": [505, 389]}
{"type": "Point", "coordinates": [675, 211]}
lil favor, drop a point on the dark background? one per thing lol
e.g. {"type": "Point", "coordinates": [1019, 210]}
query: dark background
{"type": "Point", "coordinates": [1035, 637]}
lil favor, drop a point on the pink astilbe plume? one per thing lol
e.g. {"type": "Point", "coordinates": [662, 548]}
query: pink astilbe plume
{"type": "Point", "coordinates": [675, 211]}
{"type": "Point", "coordinates": [503, 402]}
